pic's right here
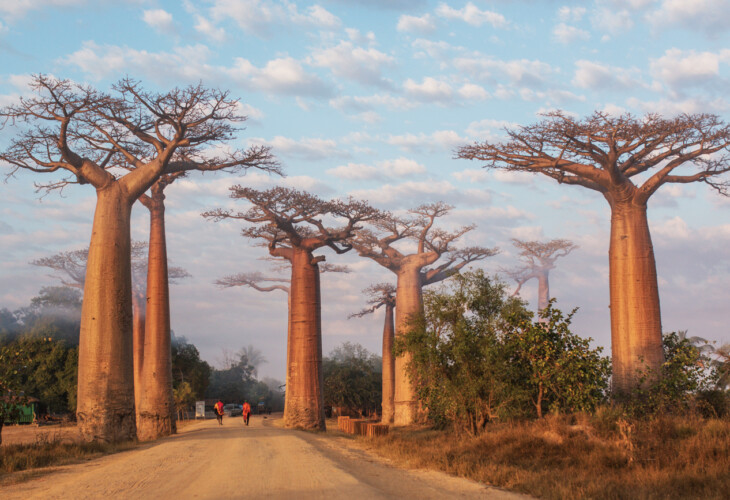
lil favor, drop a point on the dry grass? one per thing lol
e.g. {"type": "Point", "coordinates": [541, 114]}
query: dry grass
{"type": "Point", "coordinates": [20, 462]}
{"type": "Point", "coordinates": [602, 457]}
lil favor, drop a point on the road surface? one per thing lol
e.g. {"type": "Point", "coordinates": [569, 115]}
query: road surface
{"type": "Point", "coordinates": [233, 461]}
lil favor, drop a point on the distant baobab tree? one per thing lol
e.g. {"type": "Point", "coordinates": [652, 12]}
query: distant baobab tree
{"type": "Point", "coordinates": [627, 160]}
{"type": "Point", "coordinates": [290, 222]}
{"type": "Point", "coordinates": [383, 295]}
{"type": "Point", "coordinates": [94, 136]}
{"type": "Point", "coordinates": [538, 259]}
{"type": "Point", "coordinates": [412, 271]}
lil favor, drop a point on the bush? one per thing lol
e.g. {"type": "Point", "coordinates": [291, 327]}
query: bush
{"type": "Point", "coordinates": [477, 356]}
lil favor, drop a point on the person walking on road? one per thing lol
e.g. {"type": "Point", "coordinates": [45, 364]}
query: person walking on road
{"type": "Point", "coordinates": [219, 412]}
{"type": "Point", "coordinates": [246, 411]}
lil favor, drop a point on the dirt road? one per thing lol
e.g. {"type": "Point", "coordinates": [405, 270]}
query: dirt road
{"type": "Point", "coordinates": [233, 461]}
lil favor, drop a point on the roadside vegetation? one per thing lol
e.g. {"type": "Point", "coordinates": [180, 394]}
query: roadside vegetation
{"type": "Point", "coordinates": [524, 404]}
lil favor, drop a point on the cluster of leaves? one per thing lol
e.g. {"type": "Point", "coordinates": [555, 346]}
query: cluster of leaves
{"type": "Point", "coordinates": [13, 366]}
{"type": "Point", "coordinates": [352, 378]}
{"type": "Point", "coordinates": [476, 356]}
{"type": "Point", "coordinates": [188, 368]}
{"type": "Point", "coordinates": [689, 379]}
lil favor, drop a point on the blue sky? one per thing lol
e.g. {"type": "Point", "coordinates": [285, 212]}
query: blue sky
{"type": "Point", "coordinates": [370, 98]}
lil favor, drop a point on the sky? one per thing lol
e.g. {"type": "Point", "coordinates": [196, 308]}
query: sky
{"type": "Point", "coordinates": [370, 99]}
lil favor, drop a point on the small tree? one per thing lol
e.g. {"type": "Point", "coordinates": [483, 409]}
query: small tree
{"type": "Point", "coordinates": [383, 295]}
{"type": "Point", "coordinates": [626, 160]}
{"type": "Point", "coordinates": [560, 370]}
{"type": "Point", "coordinates": [352, 378]}
{"type": "Point", "coordinates": [458, 364]}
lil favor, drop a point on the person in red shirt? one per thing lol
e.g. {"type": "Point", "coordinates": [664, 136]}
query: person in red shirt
{"type": "Point", "coordinates": [219, 412]}
{"type": "Point", "coordinates": [246, 411]}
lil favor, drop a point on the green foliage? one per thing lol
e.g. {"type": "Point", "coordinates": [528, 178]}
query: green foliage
{"type": "Point", "coordinates": [13, 367]}
{"type": "Point", "coordinates": [183, 396]}
{"type": "Point", "coordinates": [686, 373]}
{"type": "Point", "coordinates": [188, 367]}
{"type": "Point", "coordinates": [476, 356]}
{"type": "Point", "coordinates": [558, 368]}
{"type": "Point", "coordinates": [49, 371]}
{"type": "Point", "coordinates": [232, 384]}
{"type": "Point", "coordinates": [352, 378]}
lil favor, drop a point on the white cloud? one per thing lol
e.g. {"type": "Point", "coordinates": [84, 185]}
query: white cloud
{"type": "Point", "coordinates": [280, 76]}
{"type": "Point", "coordinates": [488, 129]}
{"type": "Point", "coordinates": [311, 149]}
{"type": "Point", "coordinates": [526, 72]}
{"type": "Point", "coordinates": [259, 16]}
{"type": "Point", "coordinates": [408, 194]}
{"type": "Point", "coordinates": [473, 92]}
{"type": "Point", "coordinates": [592, 75]}
{"type": "Point", "coordinates": [356, 36]}
{"type": "Point", "coordinates": [207, 28]}
{"type": "Point", "coordinates": [613, 21]}
{"type": "Point", "coordinates": [354, 63]}
{"type": "Point", "coordinates": [399, 167]}
{"type": "Point", "coordinates": [442, 140]}
{"type": "Point", "coordinates": [316, 15]}
{"type": "Point", "coordinates": [160, 20]}
{"type": "Point", "coordinates": [679, 68]}
{"type": "Point", "coordinates": [472, 176]}
{"type": "Point", "coordinates": [412, 24]}
{"type": "Point", "coordinates": [567, 14]}
{"type": "Point", "coordinates": [513, 177]}
{"type": "Point", "coordinates": [708, 16]}
{"type": "Point", "coordinates": [471, 14]}
{"type": "Point", "coordinates": [566, 34]}
{"type": "Point", "coordinates": [18, 8]}
{"type": "Point", "coordinates": [673, 107]}
{"type": "Point", "coordinates": [429, 89]}
{"type": "Point", "coordinates": [367, 103]}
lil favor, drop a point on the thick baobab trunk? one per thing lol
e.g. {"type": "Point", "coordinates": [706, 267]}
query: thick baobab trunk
{"type": "Point", "coordinates": [543, 291]}
{"type": "Point", "coordinates": [388, 366]}
{"type": "Point", "coordinates": [105, 408]}
{"type": "Point", "coordinates": [409, 307]}
{"type": "Point", "coordinates": [156, 413]}
{"type": "Point", "coordinates": [636, 327]}
{"type": "Point", "coordinates": [138, 316]}
{"type": "Point", "coordinates": [304, 405]}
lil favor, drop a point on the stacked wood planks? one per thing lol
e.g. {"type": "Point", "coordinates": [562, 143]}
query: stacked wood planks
{"type": "Point", "coordinates": [361, 427]}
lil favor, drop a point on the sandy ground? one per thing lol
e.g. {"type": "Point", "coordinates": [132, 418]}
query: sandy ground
{"type": "Point", "coordinates": [233, 461]}
{"type": "Point", "coordinates": [30, 434]}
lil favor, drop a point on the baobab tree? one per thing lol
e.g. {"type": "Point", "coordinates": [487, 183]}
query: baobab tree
{"type": "Point", "coordinates": [538, 259]}
{"type": "Point", "coordinates": [291, 224]}
{"type": "Point", "coordinates": [625, 159]}
{"type": "Point", "coordinates": [155, 407]}
{"type": "Point", "coordinates": [413, 274]}
{"type": "Point", "coordinates": [71, 269]}
{"type": "Point", "coordinates": [120, 143]}
{"type": "Point", "coordinates": [383, 295]}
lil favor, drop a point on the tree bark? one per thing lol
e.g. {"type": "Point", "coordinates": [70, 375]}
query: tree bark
{"type": "Point", "coordinates": [543, 291]}
{"type": "Point", "coordinates": [409, 306]}
{"type": "Point", "coordinates": [304, 404]}
{"type": "Point", "coordinates": [138, 317]}
{"type": "Point", "coordinates": [156, 414]}
{"type": "Point", "coordinates": [388, 366]}
{"type": "Point", "coordinates": [105, 407]}
{"type": "Point", "coordinates": [636, 327]}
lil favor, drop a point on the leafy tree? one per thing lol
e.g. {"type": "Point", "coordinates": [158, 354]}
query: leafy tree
{"type": "Point", "coordinates": [13, 366]}
{"type": "Point", "coordinates": [187, 367]}
{"type": "Point", "coordinates": [352, 378]}
{"type": "Point", "coordinates": [686, 372]}
{"type": "Point", "coordinates": [459, 366]}
{"type": "Point", "coordinates": [183, 397]}
{"type": "Point", "coordinates": [51, 372]}
{"type": "Point", "coordinates": [558, 368]}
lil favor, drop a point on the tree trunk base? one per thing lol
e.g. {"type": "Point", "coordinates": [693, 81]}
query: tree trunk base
{"type": "Point", "coordinates": [388, 415]}
{"type": "Point", "coordinates": [151, 426]}
{"type": "Point", "coordinates": [405, 412]}
{"type": "Point", "coordinates": [304, 418]}
{"type": "Point", "coordinates": [107, 425]}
